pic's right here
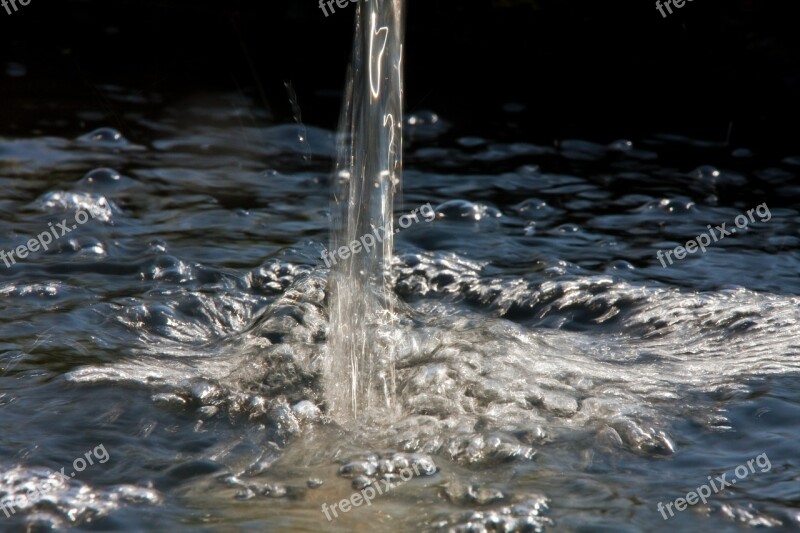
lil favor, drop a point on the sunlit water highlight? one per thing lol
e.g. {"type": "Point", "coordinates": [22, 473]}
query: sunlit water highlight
{"type": "Point", "coordinates": [362, 338]}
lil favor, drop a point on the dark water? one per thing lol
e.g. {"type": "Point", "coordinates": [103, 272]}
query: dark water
{"type": "Point", "coordinates": [557, 376]}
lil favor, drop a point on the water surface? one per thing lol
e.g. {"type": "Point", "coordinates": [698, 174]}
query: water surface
{"type": "Point", "coordinates": [555, 375]}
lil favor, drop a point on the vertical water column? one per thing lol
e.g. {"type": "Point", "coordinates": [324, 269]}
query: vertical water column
{"type": "Point", "coordinates": [360, 377]}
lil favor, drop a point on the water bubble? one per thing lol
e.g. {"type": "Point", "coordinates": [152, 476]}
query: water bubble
{"type": "Point", "coordinates": [535, 209]}
{"type": "Point", "coordinates": [102, 176]}
{"type": "Point", "coordinates": [167, 268]}
{"type": "Point", "coordinates": [87, 246]}
{"type": "Point", "coordinates": [104, 179]}
{"type": "Point", "coordinates": [463, 209]}
{"type": "Point", "coordinates": [246, 494]}
{"type": "Point", "coordinates": [568, 228]}
{"type": "Point", "coordinates": [621, 264]}
{"type": "Point", "coordinates": [357, 468]}
{"type": "Point", "coordinates": [104, 137]}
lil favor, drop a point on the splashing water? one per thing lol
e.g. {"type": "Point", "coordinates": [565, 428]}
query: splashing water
{"type": "Point", "coordinates": [368, 174]}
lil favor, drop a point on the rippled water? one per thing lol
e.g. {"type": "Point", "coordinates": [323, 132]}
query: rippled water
{"type": "Point", "coordinates": [551, 374]}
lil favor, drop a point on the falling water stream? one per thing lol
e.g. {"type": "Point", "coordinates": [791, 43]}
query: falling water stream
{"type": "Point", "coordinates": [367, 177]}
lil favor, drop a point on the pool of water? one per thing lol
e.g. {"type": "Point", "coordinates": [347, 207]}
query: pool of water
{"type": "Point", "coordinates": [552, 373]}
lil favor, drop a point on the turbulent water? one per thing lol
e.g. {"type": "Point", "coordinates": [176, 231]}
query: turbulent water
{"type": "Point", "coordinates": [551, 374]}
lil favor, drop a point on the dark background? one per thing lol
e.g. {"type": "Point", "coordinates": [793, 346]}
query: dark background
{"type": "Point", "coordinates": [584, 68]}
